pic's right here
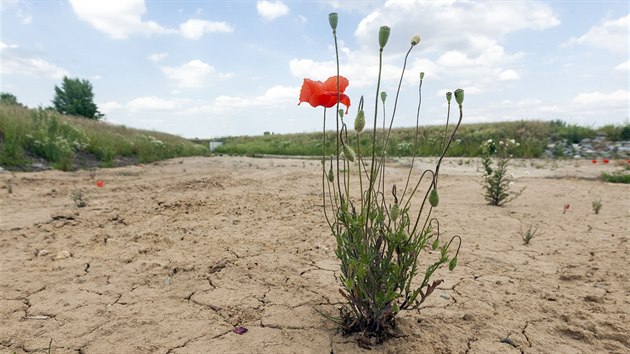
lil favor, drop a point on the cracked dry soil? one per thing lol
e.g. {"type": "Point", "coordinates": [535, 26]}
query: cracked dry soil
{"type": "Point", "coordinates": [170, 257]}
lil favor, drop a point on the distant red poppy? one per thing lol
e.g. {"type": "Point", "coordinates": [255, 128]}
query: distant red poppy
{"type": "Point", "coordinates": [628, 161]}
{"type": "Point", "coordinates": [594, 161]}
{"type": "Point", "coordinates": [324, 94]}
{"type": "Point", "coordinates": [605, 161]}
{"type": "Point", "coordinates": [99, 183]}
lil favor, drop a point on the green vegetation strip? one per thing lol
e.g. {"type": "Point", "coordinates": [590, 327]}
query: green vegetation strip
{"type": "Point", "coordinates": [533, 137]}
{"type": "Point", "coordinates": [68, 142]}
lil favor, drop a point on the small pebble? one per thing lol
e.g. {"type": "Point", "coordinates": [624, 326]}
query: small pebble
{"type": "Point", "coordinates": [42, 253]}
{"type": "Point", "coordinates": [63, 254]}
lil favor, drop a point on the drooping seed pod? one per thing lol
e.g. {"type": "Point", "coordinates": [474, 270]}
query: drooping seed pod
{"type": "Point", "coordinates": [331, 175]}
{"type": "Point", "coordinates": [359, 121]}
{"type": "Point", "coordinates": [434, 198]}
{"type": "Point", "coordinates": [435, 244]}
{"type": "Point", "coordinates": [348, 153]}
{"type": "Point", "coordinates": [452, 264]}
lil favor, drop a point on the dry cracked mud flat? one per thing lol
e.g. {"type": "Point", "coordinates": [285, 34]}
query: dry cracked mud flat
{"type": "Point", "coordinates": [171, 257]}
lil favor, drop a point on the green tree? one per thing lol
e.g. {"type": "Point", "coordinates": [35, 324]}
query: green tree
{"type": "Point", "coordinates": [75, 97]}
{"type": "Point", "coordinates": [9, 99]}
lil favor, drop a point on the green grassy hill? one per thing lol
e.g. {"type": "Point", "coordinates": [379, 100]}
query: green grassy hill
{"type": "Point", "coordinates": [44, 137]}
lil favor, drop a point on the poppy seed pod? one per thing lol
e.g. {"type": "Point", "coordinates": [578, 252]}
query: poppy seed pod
{"type": "Point", "coordinates": [348, 153]}
{"type": "Point", "coordinates": [331, 175]}
{"type": "Point", "coordinates": [415, 39]}
{"type": "Point", "coordinates": [434, 198]}
{"type": "Point", "coordinates": [383, 96]}
{"type": "Point", "coordinates": [448, 96]}
{"type": "Point", "coordinates": [383, 36]}
{"type": "Point", "coordinates": [333, 19]}
{"type": "Point", "coordinates": [459, 96]}
{"type": "Point", "coordinates": [359, 122]}
{"type": "Point", "coordinates": [341, 113]}
{"type": "Point", "coordinates": [452, 264]}
{"type": "Point", "coordinates": [421, 75]}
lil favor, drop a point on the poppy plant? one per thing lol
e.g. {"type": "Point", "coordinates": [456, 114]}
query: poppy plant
{"type": "Point", "coordinates": [605, 161]}
{"type": "Point", "coordinates": [99, 183]}
{"type": "Point", "coordinates": [594, 161]}
{"type": "Point", "coordinates": [324, 94]}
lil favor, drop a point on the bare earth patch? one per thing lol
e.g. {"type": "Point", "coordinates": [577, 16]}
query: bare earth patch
{"type": "Point", "coordinates": [171, 257]}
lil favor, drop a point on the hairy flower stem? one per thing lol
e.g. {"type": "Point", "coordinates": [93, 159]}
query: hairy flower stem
{"type": "Point", "coordinates": [415, 144]}
{"type": "Point", "coordinates": [337, 114]}
{"type": "Point", "coordinates": [324, 172]}
{"type": "Point", "coordinates": [373, 171]}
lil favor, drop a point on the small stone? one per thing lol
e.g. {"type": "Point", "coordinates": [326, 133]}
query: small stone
{"type": "Point", "coordinates": [42, 253]}
{"type": "Point", "coordinates": [63, 254]}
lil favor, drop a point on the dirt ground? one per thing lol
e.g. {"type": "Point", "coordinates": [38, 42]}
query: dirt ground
{"type": "Point", "coordinates": [171, 257]}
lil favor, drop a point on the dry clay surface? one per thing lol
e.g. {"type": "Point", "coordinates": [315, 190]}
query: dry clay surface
{"type": "Point", "coordinates": [171, 257]}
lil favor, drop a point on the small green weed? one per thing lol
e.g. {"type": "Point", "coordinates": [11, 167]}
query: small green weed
{"type": "Point", "coordinates": [78, 198]}
{"type": "Point", "coordinates": [529, 234]}
{"type": "Point", "coordinates": [616, 177]}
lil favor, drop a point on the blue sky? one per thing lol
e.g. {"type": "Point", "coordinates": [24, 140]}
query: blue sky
{"type": "Point", "coordinates": [217, 68]}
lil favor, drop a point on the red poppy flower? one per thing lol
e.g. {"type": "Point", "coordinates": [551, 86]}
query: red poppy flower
{"type": "Point", "coordinates": [605, 160]}
{"type": "Point", "coordinates": [324, 94]}
{"type": "Point", "coordinates": [594, 161]}
{"type": "Point", "coordinates": [99, 183]}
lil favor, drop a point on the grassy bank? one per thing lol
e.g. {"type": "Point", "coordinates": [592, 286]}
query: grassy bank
{"type": "Point", "coordinates": [68, 143]}
{"type": "Point", "coordinates": [533, 136]}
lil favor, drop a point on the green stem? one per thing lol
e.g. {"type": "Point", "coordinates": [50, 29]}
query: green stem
{"type": "Point", "coordinates": [372, 167]}
{"type": "Point", "coordinates": [324, 174]}
{"type": "Point", "coordinates": [415, 144]}
{"type": "Point", "coordinates": [337, 111]}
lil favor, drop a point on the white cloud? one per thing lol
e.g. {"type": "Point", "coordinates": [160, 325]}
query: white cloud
{"type": "Point", "coordinates": [271, 10]}
{"type": "Point", "coordinates": [151, 103]}
{"type": "Point", "coordinates": [616, 97]}
{"type": "Point", "coordinates": [195, 29]}
{"type": "Point", "coordinates": [611, 35]}
{"type": "Point", "coordinates": [529, 102]}
{"type": "Point", "coordinates": [462, 43]}
{"type": "Point", "coordinates": [32, 67]}
{"type": "Point", "coordinates": [623, 67]}
{"type": "Point", "coordinates": [509, 75]}
{"type": "Point", "coordinates": [274, 97]}
{"type": "Point", "coordinates": [451, 24]}
{"type": "Point", "coordinates": [193, 74]}
{"type": "Point", "coordinates": [5, 46]}
{"type": "Point", "coordinates": [157, 56]}
{"type": "Point", "coordinates": [109, 107]}
{"type": "Point", "coordinates": [117, 18]}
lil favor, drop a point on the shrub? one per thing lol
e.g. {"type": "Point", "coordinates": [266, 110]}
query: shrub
{"type": "Point", "coordinates": [497, 180]}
